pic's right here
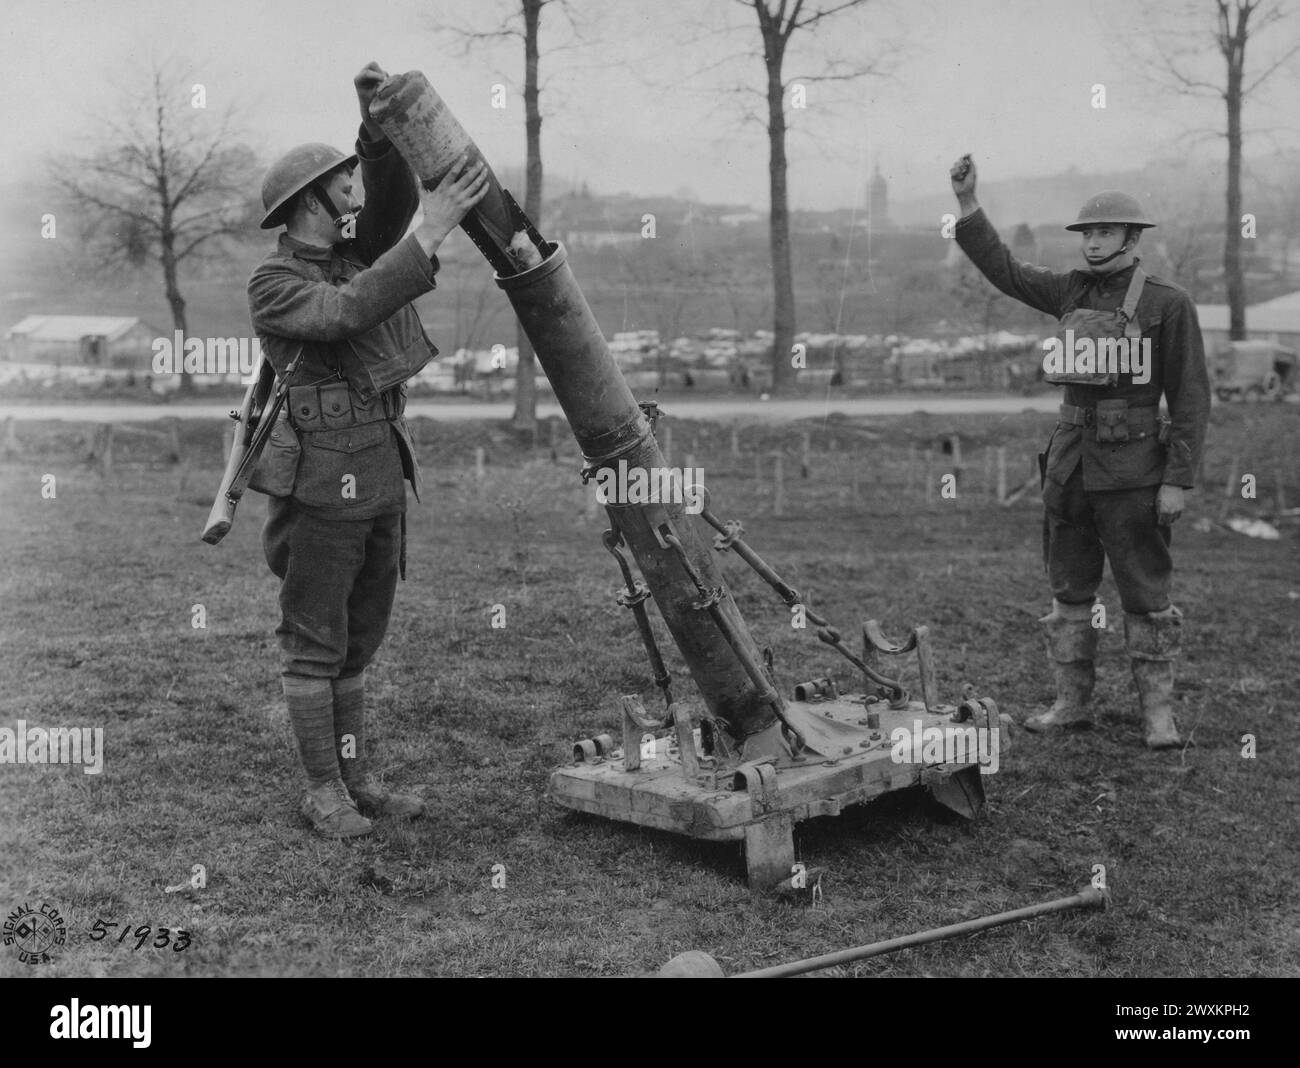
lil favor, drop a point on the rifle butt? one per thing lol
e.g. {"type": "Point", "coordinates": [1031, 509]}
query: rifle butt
{"type": "Point", "coordinates": [219, 520]}
{"type": "Point", "coordinates": [229, 492]}
{"type": "Point", "coordinates": [223, 505]}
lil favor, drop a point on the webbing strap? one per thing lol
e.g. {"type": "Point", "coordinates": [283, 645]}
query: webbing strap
{"type": "Point", "coordinates": [1131, 298]}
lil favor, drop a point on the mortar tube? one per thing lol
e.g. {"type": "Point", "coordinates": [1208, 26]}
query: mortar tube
{"type": "Point", "coordinates": [609, 426]}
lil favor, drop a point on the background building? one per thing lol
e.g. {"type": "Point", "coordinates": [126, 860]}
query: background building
{"type": "Point", "coordinates": [82, 340]}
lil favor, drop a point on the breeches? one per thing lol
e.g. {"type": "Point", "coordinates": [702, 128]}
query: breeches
{"type": "Point", "coordinates": [1081, 530]}
{"type": "Point", "coordinates": [337, 581]}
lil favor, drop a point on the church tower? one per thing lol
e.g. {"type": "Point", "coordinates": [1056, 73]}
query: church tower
{"type": "Point", "coordinates": [878, 201]}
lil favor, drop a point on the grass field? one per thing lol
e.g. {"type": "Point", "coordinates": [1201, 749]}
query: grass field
{"type": "Point", "coordinates": [1201, 846]}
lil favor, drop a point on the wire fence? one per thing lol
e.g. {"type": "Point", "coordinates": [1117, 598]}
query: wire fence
{"type": "Point", "coordinates": [781, 469]}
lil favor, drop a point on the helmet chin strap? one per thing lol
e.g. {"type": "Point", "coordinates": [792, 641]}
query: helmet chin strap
{"type": "Point", "coordinates": [340, 218]}
{"type": "Point", "coordinates": [1114, 255]}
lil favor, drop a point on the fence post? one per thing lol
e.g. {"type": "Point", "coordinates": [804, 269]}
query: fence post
{"type": "Point", "coordinates": [174, 439]}
{"type": "Point", "coordinates": [1229, 486]}
{"type": "Point", "coordinates": [101, 450]}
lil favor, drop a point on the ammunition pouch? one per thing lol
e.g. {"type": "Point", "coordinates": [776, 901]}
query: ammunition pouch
{"type": "Point", "coordinates": [1115, 422]}
{"type": "Point", "coordinates": [277, 468]}
{"type": "Point", "coordinates": [1112, 421]}
{"type": "Point", "coordinates": [335, 406]}
{"type": "Point", "coordinates": [339, 429]}
{"type": "Point", "coordinates": [1097, 325]}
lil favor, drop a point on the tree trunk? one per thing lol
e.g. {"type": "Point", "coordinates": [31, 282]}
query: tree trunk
{"type": "Point", "coordinates": [1234, 50]}
{"type": "Point", "coordinates": [782, 270]}
{"type": "Point", "coordinates": [174, 298]}
{"type": "Point", "coordinates": [525, 417]}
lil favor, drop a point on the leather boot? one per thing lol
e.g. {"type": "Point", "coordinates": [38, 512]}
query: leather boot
{"type": "Point", "coordinates": [331, 811]}
{"type": "Point", "coordinates": [326, 804]}
{"type": "Point", "coordinates": [1153, 642]}
{"type": "Point", "coordinates": [349, 738]}
{"type": "Point", "coordinates": [1072, 651]}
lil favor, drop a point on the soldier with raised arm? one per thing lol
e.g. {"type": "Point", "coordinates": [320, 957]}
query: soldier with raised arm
{"type": "Point", "coordinates": [1115, 469]}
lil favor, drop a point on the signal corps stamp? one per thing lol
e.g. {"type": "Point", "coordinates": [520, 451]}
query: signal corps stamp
{"type": "Point", "coordinates": [35, 932]}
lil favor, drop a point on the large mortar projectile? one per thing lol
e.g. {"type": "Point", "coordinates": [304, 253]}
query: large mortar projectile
{"type": "Point", "coordinates": [427, 134]}
{"type": "Point", "coordinates": [709, 630]}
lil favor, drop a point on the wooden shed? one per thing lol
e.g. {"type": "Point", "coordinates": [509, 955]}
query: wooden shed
{"type": "Point", "coordinates": [82, 341]}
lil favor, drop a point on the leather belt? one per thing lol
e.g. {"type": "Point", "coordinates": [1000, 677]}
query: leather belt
{"type": "Point", "coordinates": [1148, 416]}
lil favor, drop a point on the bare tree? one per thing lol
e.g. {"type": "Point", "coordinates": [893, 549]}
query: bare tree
{"type": "Point", "coordinates": [166, 185]}
{"type": "Point", "coordinates": [779, 21]}
{"type": "Point", "coordinates": [1235, 25]}
{"type": "Point", "coordinates": [524, 24]}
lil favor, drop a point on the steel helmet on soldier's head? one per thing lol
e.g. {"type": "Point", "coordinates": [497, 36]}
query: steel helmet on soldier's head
{"type": "Point", "coordinates": [1113, 207]}
{"type": "Point", "coordinates": [292, 173]}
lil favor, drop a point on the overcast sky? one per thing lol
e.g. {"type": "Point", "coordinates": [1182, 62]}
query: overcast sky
{"type": "Point", "coordinates": [638, 106]}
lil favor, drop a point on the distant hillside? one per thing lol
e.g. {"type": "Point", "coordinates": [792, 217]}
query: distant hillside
{"type": "Point", "coordinates": [708, 265]}
{"type": "Point", "coordinates": [1165, 186]}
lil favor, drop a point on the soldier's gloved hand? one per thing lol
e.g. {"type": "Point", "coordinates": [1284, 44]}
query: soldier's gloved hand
{"type": "Point", "coordinates": [448, 202]}
{"type": "Point", "coordinates": [1169, 504]}
{"type": "Point", "coordinates": [367, 80]}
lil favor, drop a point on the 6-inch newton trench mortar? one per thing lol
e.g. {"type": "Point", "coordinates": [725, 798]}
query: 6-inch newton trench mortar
{"type": "Point", "coordinates": [749, 764]}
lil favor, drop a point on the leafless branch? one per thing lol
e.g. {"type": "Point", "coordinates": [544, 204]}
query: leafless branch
{"type": "Point", "coordinates": [1247, 90]}
{"type": "Point", "coordinates": [819, 15]}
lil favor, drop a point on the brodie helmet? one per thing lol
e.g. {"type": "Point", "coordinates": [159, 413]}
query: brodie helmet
{"type": "Point", "coordinates": [1113, 207]}
{"type": "Point", "coordinates": [292, 173]}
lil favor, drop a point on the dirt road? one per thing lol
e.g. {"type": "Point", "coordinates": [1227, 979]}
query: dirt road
{"type": "Point", "coordinates": [723, 408]}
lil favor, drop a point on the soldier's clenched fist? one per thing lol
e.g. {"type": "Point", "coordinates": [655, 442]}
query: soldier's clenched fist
{"type": "Point", "coordinates": [367, 80]}
{"type": "Point", "coordinates": [962, 174]}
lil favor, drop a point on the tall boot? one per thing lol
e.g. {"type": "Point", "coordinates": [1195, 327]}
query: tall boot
{"type": "Point", "coordinates": [326, 804]}
{"type": "Point", "coordinates": [350, 744]}
{"type": "Point", "coordinates": [1072, 650]}
{"type": "Point", "coordinates": [1153, 641]}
